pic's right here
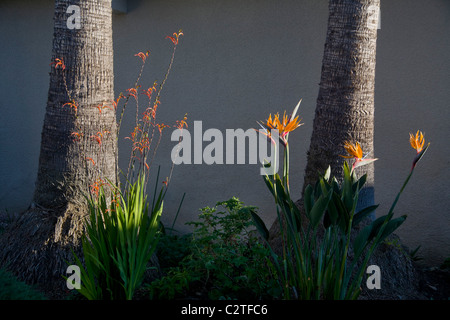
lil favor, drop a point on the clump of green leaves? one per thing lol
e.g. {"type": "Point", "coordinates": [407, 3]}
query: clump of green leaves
{"type": "Point", "coordinates": [446, 264]}
{"type": "Point", "coordinates": [226, 260]}
{"type": "Point", "coordinates": [172, 249]}
{"type": "Point", "coordinates": [315, 266]}
{"type": "Point", "coordinates": [13, 289]}
{"type": "Point", "coordinates": [118, 244]}
{"type": "Point", "coordinates": [413, 254]}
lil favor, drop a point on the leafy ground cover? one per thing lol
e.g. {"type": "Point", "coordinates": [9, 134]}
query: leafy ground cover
{"type": "Point", "coordinates": [186, 275]}
{"type": "Point", "coordinates": [13, 289]}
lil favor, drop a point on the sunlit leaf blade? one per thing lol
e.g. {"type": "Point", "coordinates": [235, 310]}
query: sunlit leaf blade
{"type": "Point", "coordinates": [327, 174]}
{"type": "Point", "coordinates": [363, 162]}
{"type": "Point", "coordinates": [295, 111]}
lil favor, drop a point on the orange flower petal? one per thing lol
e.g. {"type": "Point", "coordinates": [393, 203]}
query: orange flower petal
{"type": "Point", "coordinates": [417, 141]}
{"type": "Point", "coordinates": [354, 150]}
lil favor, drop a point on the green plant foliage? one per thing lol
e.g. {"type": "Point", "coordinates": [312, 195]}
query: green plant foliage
{"type": "Point", "coordinates": [445, 264]}
{"type": "Point", "coordinates": [226, 259]}
{"type": "Point", "coordinates": [118, 244]}
{"type": "Point", "coordinates": [172, 249]}
{"type": "Point", "coordinates": [317, 265]}
{"type": "Point", "coordinates": [13, 289]}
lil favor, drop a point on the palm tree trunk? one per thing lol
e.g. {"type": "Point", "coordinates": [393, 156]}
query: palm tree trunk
{"type": "Point", "coordinates": [64, 173]}
{"type": "Point", "coordinates": [345, 104]}
{"type": "Point", "coordinates": [39, 244]}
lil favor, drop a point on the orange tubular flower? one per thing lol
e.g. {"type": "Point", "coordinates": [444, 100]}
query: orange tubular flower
{"type": "Point", "coordinates": [59, 63]}
{"type": "Point", "coordinates": [175, 37]}
{"type": "Point", "coordinates": [161, 126]}
{"type": "Point", "coordinates": [133, 92]}
{"type": "Point", "coordinates": [76, 136]}
{"type": "Point", "coordinates": [181, 123]}
{"type": "Point", "coordinates": [95, 187]}
{"type": "Point", "coordinates": [72, 105]}
{"type": "Point", "coordinates": [116, 102]}
{"type": "Point", "coordinates": [149, 92]}
{"type": "Point", "coordinates": [142, 55]}
{"type": "Point", "coordinates": [90, 159]}
{"type": "Point", "coordinates": [142, 145]}
{"type": "Point", "coordinates": [149, 113]}
{"type": "Point", "coordinates": [417, 141]}
{"type": "Point", "coordinates": [99, 107]}
{"type": "Point", "coordinates": [134, 133]}
{"type": "Point", "coordinates": [99, 136]}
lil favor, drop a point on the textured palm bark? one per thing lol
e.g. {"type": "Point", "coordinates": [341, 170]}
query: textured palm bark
{"type": "Point", "coordinates": [38, 246]}
{"type": "Point", "coordinates": [345, 103]}
{"type": "Point", "coordinates": [64, 173]}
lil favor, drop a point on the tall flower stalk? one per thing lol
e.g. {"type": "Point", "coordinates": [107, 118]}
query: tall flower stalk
{"type": "Point", "coordinates": [122, 230]}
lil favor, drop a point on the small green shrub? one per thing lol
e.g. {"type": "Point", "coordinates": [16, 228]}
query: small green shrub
{"type": "Point", "coordinates": [445, 264]}
{"type": "Point", "coordinates": [172, 249]}
{"type": "Point", "coordinates": [226, 259]}
{"type": "Point", "coordinates": [413, 254]}
{"type": "Point", "coordinates": [13, 289]}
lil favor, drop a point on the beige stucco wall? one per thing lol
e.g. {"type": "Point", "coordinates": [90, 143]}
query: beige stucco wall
{"type": "Point", "coordinates": [237, 62]}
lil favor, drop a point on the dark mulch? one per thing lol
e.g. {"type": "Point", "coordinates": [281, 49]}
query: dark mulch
{"type": "Point", "coordinates": [434, 283]}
